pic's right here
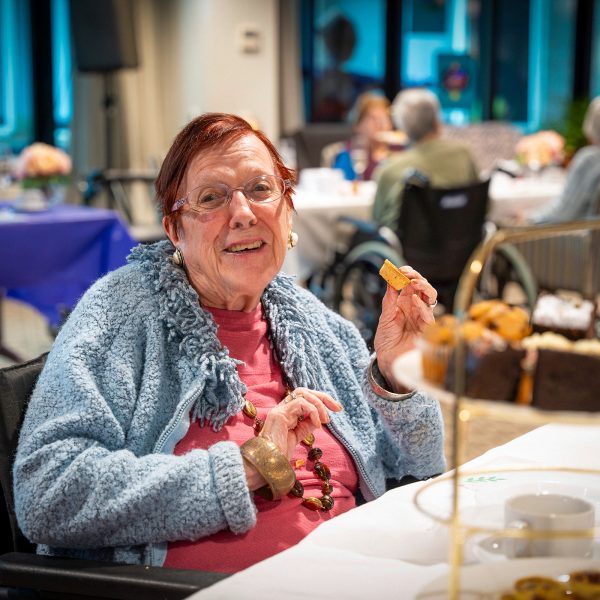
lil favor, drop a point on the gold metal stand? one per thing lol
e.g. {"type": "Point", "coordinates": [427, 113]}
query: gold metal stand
{"type": "Point", "coordinates": [465, 408]}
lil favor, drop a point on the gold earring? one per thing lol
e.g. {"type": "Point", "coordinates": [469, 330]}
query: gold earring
{"type": "Point", "coordinates": [292, 239]}
{"type": "Point", "coordinates": [177, 258]}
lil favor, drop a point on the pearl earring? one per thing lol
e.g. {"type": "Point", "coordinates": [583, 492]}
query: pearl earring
{"type": "Point", "coordinates": [177, 258]}
{"type": "Point", "coordinates": [292, 239]}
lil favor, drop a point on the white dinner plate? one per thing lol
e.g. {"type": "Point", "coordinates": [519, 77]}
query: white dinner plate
{"type": "Point", "coordinates": [486, 581]}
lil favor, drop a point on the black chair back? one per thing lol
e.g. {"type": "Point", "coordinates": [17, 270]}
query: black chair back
{"type": "Point", "coordinates": [26, 575]}
{"type": "Point", "coordinates": [440, 228]}
{"type": "Point", "coordinates": [310, 140]}
{"type": "Point", "coordinates": [16, 384]}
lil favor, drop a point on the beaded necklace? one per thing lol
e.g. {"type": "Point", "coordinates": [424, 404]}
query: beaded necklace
{"type": "Point", "coordinates": [325, 502]}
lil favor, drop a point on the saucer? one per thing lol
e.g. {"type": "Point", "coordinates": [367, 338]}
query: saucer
{"type": "Point", "coordinates": [491, 549]}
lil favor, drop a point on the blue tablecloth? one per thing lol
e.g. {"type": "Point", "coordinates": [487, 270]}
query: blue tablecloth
{"type": "Point", "coordinates": [48, 259]}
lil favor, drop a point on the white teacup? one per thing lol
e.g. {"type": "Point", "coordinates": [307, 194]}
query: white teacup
{"type": "Point", "coordinates": [547, 513]}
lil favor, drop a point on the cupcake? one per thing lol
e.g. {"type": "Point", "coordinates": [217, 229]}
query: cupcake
{"type": "Point", "coordinates": [437, 345]}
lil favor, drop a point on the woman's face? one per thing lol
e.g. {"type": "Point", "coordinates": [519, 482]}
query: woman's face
{"type": "Point", "coordinates": [374, 121]}
{"type": "Point", "coordinates": [231, 254]}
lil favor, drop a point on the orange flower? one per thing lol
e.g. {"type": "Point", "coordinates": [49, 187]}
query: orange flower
{"type": "Point", "coordinates": [42, 160]}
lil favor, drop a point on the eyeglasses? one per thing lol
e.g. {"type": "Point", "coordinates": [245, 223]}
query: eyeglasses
{"type": "Point", "coordinates": [209, 198]}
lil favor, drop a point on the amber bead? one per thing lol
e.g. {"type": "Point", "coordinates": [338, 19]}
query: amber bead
{"type": "Point", "coordinates": [309, 440]}
{"type": "Point", "coordinates": [315, 453]}
{"type": "Point", "coordinates": [327, 502]}
{"type": "Point", "coordinates": [249, 409]}
{"type": "Point", "coordinates": [312, 503]}
{"type": "Point", "coordinates": [322, 470]}
{"type": "Point", "coordinates": [326, 487]}
{"type": "Point", "coordinates": [297, 490]}
{"type": "Point", "coordinates": [258, 424]}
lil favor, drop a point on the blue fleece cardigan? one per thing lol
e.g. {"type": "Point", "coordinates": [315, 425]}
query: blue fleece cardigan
{"type": "Point", "coordinates": [95, 475]}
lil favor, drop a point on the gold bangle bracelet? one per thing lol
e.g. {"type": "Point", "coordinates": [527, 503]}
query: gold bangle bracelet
{"type": "Point", "coordinates": [271, 463]}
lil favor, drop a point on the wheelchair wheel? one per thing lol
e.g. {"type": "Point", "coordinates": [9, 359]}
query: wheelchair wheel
{"type": "Point", "coordinates": [358, 293]}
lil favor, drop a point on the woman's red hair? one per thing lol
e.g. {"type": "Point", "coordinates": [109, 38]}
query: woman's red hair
{"type": "Point", "coordinates": [205, 133]}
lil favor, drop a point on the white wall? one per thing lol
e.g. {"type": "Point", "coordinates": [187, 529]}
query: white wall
{"type": "Point", "coordinates": [215, 74]}
{"type": "Point", "coordinates": [190, 62]}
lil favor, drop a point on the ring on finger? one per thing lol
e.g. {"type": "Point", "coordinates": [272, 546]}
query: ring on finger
{"type": "Point", "coordinates": [434, 304]}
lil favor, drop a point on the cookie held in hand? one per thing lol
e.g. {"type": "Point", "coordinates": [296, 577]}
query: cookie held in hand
{"type": "Point", "coordinates": [392, 274]}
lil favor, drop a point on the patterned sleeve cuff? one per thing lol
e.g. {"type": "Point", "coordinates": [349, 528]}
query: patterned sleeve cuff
{"type": "Point", "coordinates": [379, 384]}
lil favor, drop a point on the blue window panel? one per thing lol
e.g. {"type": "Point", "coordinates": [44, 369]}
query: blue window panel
{"type": "Point", "coordinates": [16, 114]}
{"type": "Point", "coordinates": [595, 71]}
{"type": "Point", "coordinates": [343, 55]}
{"type": "Point", "coordinates": [61, 73]}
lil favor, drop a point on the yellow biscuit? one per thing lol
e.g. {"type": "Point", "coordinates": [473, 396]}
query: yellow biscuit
{"type": "Point", "coordinates": [393, 275]}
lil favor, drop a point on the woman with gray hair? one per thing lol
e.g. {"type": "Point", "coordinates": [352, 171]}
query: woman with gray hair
{"type": "Point", "coordinates": [579, 196]}
{"type": "Point", "coordinates": [446, 163]}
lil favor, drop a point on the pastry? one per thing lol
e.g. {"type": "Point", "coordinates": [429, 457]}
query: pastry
{"type": "Point", "coordinates": [393, 275]}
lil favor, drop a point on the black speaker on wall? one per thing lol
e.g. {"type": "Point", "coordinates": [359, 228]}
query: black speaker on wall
{"type": "Point", "coordinates": [103, 35]}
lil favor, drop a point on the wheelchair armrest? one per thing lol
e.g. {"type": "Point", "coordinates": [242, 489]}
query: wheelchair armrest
{"type": "Point", "coordinates": [100, 579]}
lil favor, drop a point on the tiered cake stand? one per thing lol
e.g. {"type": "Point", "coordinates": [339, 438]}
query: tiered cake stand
{"type": "Point", "coordinates": [464, 524]}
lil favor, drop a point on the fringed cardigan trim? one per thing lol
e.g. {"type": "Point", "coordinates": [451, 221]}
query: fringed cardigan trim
{"type": "Point", "coordinates": [195, 332]}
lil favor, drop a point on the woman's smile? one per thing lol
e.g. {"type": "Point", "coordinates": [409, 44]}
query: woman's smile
{"type": "Point", "coordinates": [245, 247]}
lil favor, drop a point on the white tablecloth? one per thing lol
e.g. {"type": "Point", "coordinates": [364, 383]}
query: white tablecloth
{"type": "Point", "coordinates": [526, 195]}
{"type": "Point", "coordinates": [388, 548]}
{"type": "Point", "coordinates": [315, 223]}
{"type": "Point", "coordinates": [317, 213]}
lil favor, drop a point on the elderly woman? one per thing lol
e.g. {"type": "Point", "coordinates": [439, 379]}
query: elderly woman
{"type": "Point", "coordinates": [361, 155]}
{"type": "Point", "coordinates": [198, 409]}
{"type": "Point", "coordinates": [579, 198]}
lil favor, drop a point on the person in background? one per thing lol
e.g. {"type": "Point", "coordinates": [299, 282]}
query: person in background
{"type": "Point", "coordinates": [199, 409]}
{"type": "Point", "coordinates": [579, 196]}
{"type": "Point", "coordinates": [446, 163]}
{"type": "Point", "coordinates": [365, 150]}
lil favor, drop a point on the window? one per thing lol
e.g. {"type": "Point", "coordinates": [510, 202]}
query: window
{"type": "Point", "coordinates": [522, 61]}
{"type": "Point", "coordinates": [61, 74]}
{"type": "Point", "coordinates": [18, 120]}
{"type": "Point", "coordinates": [595, 67]}
{"type": "Point", "coordinates": [15, 76]}
{"type": "Point", "coordinates": [343, 54]}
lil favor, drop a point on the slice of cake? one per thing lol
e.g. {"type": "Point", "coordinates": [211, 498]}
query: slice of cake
{"type": "Point", "coordinates": [568, 316]}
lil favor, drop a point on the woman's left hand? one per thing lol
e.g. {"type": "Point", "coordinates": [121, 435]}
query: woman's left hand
{"type": "Point", "coordinates": [404, 315]}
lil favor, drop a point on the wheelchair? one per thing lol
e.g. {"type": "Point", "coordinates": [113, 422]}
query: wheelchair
{"type": "Point", "coordinates": [438, 230]}
{"type": "Point", "coordinates": [25, 574]}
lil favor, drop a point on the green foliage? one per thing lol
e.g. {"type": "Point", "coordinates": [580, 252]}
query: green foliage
{"type": "Point", "coordinates": [44, 182]}
{"type": "Point", "coordinates": [570, 126]}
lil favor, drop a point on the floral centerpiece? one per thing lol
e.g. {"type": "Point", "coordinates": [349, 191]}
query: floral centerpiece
{"type": "Point", "coordinates": [44, 168]}
{"type": "Point", "coordinates": [541, 149]}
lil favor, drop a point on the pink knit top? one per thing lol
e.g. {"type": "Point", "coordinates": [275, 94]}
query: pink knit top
{"type": "Point", "coordinates": [282, 523]}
